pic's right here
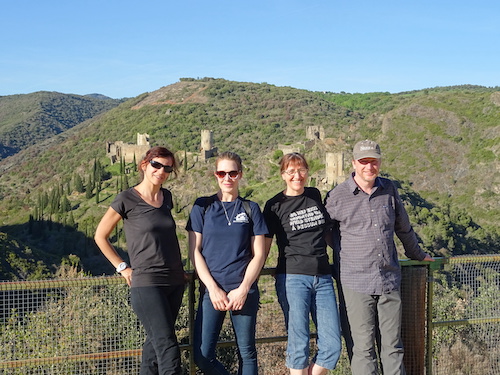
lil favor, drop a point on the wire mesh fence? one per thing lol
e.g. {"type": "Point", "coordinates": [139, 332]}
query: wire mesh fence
{"type": "Point", "coordinates": [86, 325]}
{"type": "Point", "coordinates": [82, 326]}
{"type": "Point", "coordinates": [466, 317]}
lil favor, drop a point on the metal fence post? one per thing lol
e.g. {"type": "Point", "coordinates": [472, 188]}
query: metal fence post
{"type": "Point", "coordinates": [433, 266]}
{"type": "Point", "coordinates": [413, 298]}
{"type": "Point", "coordinates": [191, 309]}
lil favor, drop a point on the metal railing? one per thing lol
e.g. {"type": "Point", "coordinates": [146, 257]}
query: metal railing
{"type": "Point", "coordinates": [86, 325]}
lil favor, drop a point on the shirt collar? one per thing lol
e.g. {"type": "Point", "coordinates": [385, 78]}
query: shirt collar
{"type": "Point", "coordinates": [353, 186]}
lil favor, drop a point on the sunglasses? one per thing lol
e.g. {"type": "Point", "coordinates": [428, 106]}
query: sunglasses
{"type": "Point", "coordinates": [158, 165]}
{"type": "Point", "coordinates": [233, 175]}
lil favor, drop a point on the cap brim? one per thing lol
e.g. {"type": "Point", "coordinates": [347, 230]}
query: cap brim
{"type": "Point", "coordinates": [367, 155]}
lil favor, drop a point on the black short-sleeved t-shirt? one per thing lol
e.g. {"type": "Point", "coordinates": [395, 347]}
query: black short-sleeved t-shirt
{"type": "Point", "coordinates": [152, 242]}
{"type": "Point", "coordinates": [299, 223]}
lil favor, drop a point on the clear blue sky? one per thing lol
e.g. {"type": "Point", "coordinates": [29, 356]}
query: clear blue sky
{"type": "Point", "coordinates": [125, 48]}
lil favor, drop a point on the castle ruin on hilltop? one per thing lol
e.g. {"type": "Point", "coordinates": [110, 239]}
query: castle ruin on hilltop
{"type": "Point", "coordinates": [128, 151]}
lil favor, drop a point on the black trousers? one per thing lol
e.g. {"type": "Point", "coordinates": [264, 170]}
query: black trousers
{"type": "Point", "coordinates": [157, 308]}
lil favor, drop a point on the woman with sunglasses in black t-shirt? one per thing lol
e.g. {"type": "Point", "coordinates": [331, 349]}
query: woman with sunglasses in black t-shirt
{"type": "Point", "coordinates": [155, 274]}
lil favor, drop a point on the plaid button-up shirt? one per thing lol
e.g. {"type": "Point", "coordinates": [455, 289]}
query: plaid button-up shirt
{"type": "Point", "coordinates": [366, 253]}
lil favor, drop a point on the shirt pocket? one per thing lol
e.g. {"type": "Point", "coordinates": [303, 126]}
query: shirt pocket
{"type": "Point", "coordinates": [386, 213]}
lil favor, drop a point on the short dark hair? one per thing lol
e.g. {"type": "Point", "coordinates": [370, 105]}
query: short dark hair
{"type": "Point", "coordinates": [158, 152]}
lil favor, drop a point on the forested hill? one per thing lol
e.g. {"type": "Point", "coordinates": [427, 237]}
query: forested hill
{"type": "Point", "coordinates": [442, 145]}
{"type": "Point", "coordinates": [31, 118]}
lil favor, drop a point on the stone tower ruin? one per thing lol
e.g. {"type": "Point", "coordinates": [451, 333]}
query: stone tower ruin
{"type": "Point", "coordinates": [315, 133]}
{"type": "Point", "coordinates": [334, 167]}
{"type": "Point", "coordinates": [207, 145]}
{"type": "Point", "coordinates": [142, 139]}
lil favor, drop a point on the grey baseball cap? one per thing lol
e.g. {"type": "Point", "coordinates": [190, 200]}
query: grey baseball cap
{"type": "Point", "coordinates": [366, 149]}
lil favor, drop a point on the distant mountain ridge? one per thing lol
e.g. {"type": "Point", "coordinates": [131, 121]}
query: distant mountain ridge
{"type": "Point", "coordinates": [98, 96]}
{"type": "Point", "coordinates": [31, 118]}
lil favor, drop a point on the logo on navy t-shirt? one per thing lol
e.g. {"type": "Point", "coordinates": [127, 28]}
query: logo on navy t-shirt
{"type": "Point", "coordinates": [242, 217]}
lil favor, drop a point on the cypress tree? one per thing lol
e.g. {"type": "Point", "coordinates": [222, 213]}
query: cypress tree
{"type": "Point", "coordinates": [95, 169]}
{"type": "Point", "coordinates": [125, 182]}
{"type": "Point", "coordinates": [65, 204]}
{"type": "Point", "coordinates": [54, 201]}
{"type": "Point", "coordinates": [79, 184]}
{"type": "Point", "coordinates": [93, 182]}
{"type": "Point", "coordinates": [121, 167]}
{"type": "Point", "coordinates": [88, 190]}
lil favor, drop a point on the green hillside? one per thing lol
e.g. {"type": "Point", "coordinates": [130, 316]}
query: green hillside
{"type": "Point", "coordinates": [441, 145]}
{"type": "Point", "coordinates": [31, 118]}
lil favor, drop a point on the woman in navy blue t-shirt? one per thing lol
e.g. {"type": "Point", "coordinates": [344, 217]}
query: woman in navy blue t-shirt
{"type": "Point", "coordinates": [227, 248]}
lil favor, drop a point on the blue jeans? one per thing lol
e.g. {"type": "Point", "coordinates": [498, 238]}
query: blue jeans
{"type": "Point", "coordinates": [299, 297]}
{"type": "Point", "coordinates": [157, 308]}
{"type": "Point", "coordinates": [208, 325]}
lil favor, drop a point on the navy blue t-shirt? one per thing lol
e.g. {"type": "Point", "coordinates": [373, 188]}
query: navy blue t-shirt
{"type": "Point", "coordinates": [226, 248]}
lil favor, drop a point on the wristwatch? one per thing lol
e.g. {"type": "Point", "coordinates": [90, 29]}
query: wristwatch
{"type": "Point", "coordinates": [121, 267]}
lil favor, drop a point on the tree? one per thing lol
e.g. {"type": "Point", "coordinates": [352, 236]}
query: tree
{"type": "Point", "coordinates": [125, 182]}
{"type": "Point", "coordinates": [89, 189]}
{"type": "Point", "coordinates": [79, 188]}
{"type": "Point", "coordinates": [54, 201]}
{"type": "Point", "coordinates": [71, 221]}
{"type": "Point", "coordinates": [65, 204]}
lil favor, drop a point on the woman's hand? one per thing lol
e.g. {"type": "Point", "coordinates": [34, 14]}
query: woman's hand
{"type": "Point", "coordinates": [219, 299]}
{"type": "Point", "coordinates": [237, 298]}
{"type": "Point", "coordinates": [127, 274]}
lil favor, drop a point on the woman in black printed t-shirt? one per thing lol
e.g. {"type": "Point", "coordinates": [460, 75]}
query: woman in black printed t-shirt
{"type": "Point", "coordinates": [304, 285]}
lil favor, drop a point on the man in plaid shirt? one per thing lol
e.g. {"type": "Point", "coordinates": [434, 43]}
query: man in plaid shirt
{"type": "Point", "coordinates": [368, 212]}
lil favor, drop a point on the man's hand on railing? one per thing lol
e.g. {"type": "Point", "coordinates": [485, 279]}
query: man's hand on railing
{"type": "Point", "coordinates": [428, 258]}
